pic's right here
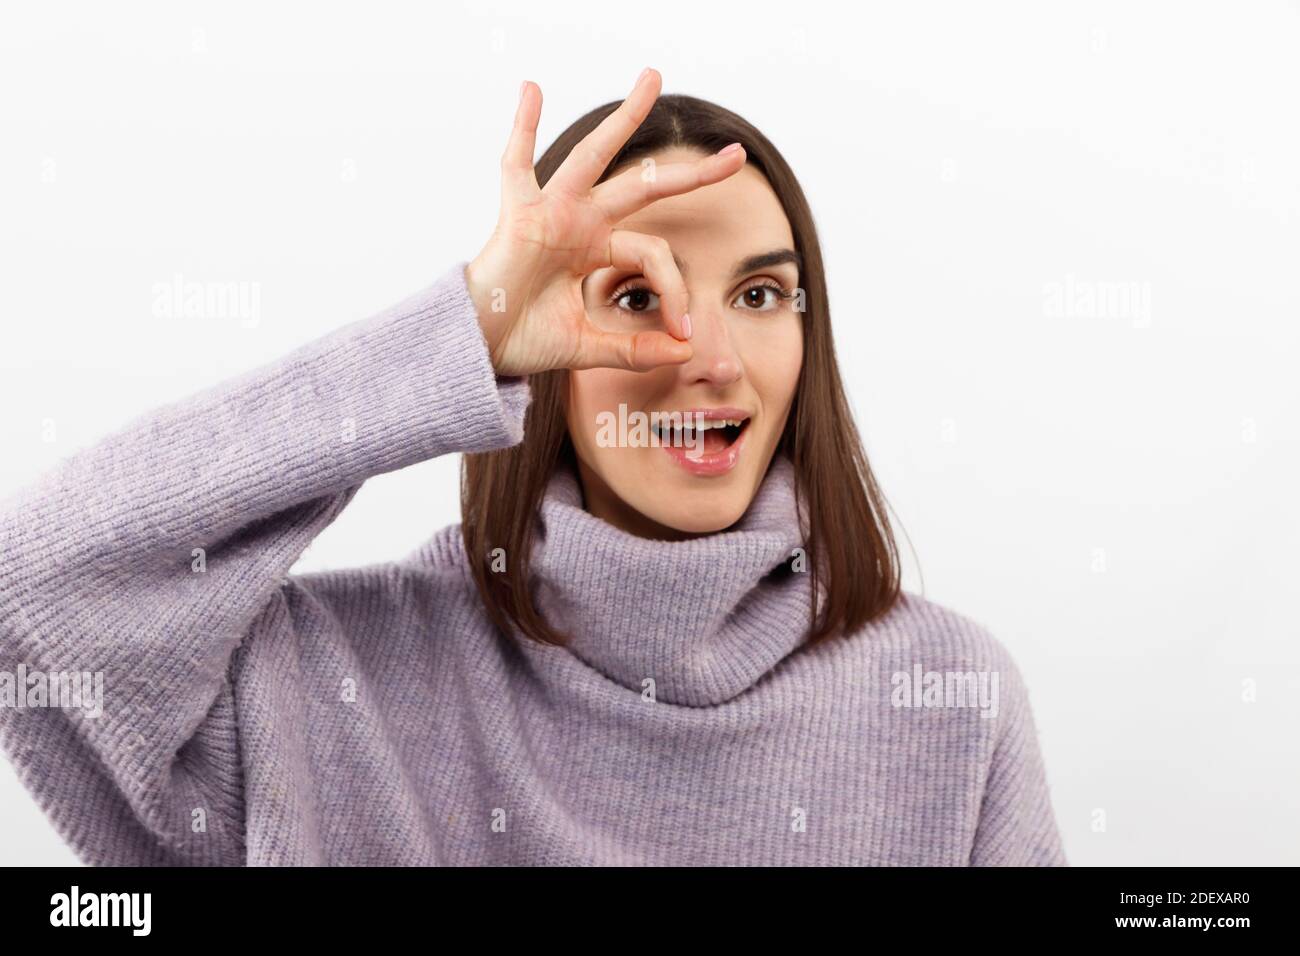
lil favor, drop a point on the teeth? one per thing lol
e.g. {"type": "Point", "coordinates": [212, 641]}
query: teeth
{"type": "Point", "coordinates": [689, 425]}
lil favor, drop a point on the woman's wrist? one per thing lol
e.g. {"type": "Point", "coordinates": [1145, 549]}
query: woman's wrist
{"type": "Point", "coordinates": [486, 299]}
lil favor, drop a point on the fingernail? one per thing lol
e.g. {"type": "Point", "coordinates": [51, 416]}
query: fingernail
{"type": "Point", "coordinates": [686, 324]}
{"type": "Point", "coordinates": [644, 74]}
{"type": "Point", "coordinates": [522, 86]}
{"type": "Point", "coordinates": [729, 149]}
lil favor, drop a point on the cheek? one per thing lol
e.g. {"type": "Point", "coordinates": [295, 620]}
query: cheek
{"type": "Point", "coordinates": [593, 393]}
{"type": "Point", "coordinates": [773, 358]}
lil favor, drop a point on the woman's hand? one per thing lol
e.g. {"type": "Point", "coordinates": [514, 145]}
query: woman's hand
{"type": "Point", "coordinates": [526, 283]}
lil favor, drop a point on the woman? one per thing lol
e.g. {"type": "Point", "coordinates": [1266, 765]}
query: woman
{"type": "Point", "coordinates": [668, 631]}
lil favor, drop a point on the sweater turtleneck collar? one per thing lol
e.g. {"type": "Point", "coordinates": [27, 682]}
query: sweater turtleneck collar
{"type": "Point", "coordinates": [704, 618]}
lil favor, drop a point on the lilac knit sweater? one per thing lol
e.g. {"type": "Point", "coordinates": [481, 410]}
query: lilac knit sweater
{"type": "Point", "coordinates": [374, 716]}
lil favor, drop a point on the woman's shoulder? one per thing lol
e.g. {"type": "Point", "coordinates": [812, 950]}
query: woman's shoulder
{"type": "Point", "coordinates": [436, 569]}
{"type": "Point", "coordinates": [442, 556]}
{"type": "Point", "coordinates": [918, 630]}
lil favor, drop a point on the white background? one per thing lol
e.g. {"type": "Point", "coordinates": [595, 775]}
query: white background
{"type": "Point", "coordinates": [1112, 493]}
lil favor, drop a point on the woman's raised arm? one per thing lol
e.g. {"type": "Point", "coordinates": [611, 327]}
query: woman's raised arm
{"type": "Point", "coordinates": [142, 562]}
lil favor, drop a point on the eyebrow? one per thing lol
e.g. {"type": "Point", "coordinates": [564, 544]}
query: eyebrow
{"type": "Point", "coordinates": [763, 260]}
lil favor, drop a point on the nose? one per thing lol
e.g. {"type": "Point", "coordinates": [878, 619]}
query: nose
{"type": "Point", "coordinates": [715, 360]}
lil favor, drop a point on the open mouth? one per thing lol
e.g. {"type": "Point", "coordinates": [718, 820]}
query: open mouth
{"type": "Point", "coordinates": [700, 433]}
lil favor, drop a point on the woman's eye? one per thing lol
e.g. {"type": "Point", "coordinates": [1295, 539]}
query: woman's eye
{"type": "Point", "coordinates": [762, 298]}
{"type": "Point", "coordinates": [638, 297]}
{"type": "Point", "coordinates": [758, 298]}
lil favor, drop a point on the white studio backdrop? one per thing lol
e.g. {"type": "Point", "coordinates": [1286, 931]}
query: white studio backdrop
{"type": "Point", "coordinates": [1062, 243]}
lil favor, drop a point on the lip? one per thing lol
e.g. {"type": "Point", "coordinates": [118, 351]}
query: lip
{"type": "Point", "coordinates": [718, 463]}
{"type": "Point", "coordinates": [712, 414]}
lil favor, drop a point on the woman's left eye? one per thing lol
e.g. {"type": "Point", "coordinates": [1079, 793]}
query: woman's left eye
{"type": "Point", "coordinates": [763, 297]}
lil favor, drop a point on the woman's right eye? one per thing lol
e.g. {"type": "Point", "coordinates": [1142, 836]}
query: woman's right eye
{"type": "Point", "coordinates": [638, 296]}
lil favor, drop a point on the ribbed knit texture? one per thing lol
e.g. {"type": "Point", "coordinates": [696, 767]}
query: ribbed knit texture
{"type": "Point", "coordinates": [375, 716]}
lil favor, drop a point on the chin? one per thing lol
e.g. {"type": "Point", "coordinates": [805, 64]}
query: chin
{"type": "Point", "coordinates": [701, 513]}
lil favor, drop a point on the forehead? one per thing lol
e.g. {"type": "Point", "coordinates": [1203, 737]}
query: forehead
{"type": "Point", "coordinates": [721, 221]}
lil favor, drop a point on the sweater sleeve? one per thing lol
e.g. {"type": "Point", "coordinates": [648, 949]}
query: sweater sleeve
{"type": "Point", "coordinates": [134, 570]}
{"type": "Point", "coordinates": [1016, 824]}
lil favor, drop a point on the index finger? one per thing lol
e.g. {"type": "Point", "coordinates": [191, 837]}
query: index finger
{"type": "Point", "coordinates": [518, 181]}
{"type": "Point", "coordinates": [586, 161]}
{"type": "Point", "coordinates": [633, 189]}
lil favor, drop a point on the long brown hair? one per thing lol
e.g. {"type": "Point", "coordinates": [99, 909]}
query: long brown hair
{"type": "Point", "coordinates": [852, 553]}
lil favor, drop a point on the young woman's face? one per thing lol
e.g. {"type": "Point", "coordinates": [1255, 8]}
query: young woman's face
{"type": "Point", "coordinates": [748, 349]}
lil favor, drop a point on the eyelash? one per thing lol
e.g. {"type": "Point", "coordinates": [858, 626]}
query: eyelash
{"type": "Point", "coordinates": [782, 293]}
